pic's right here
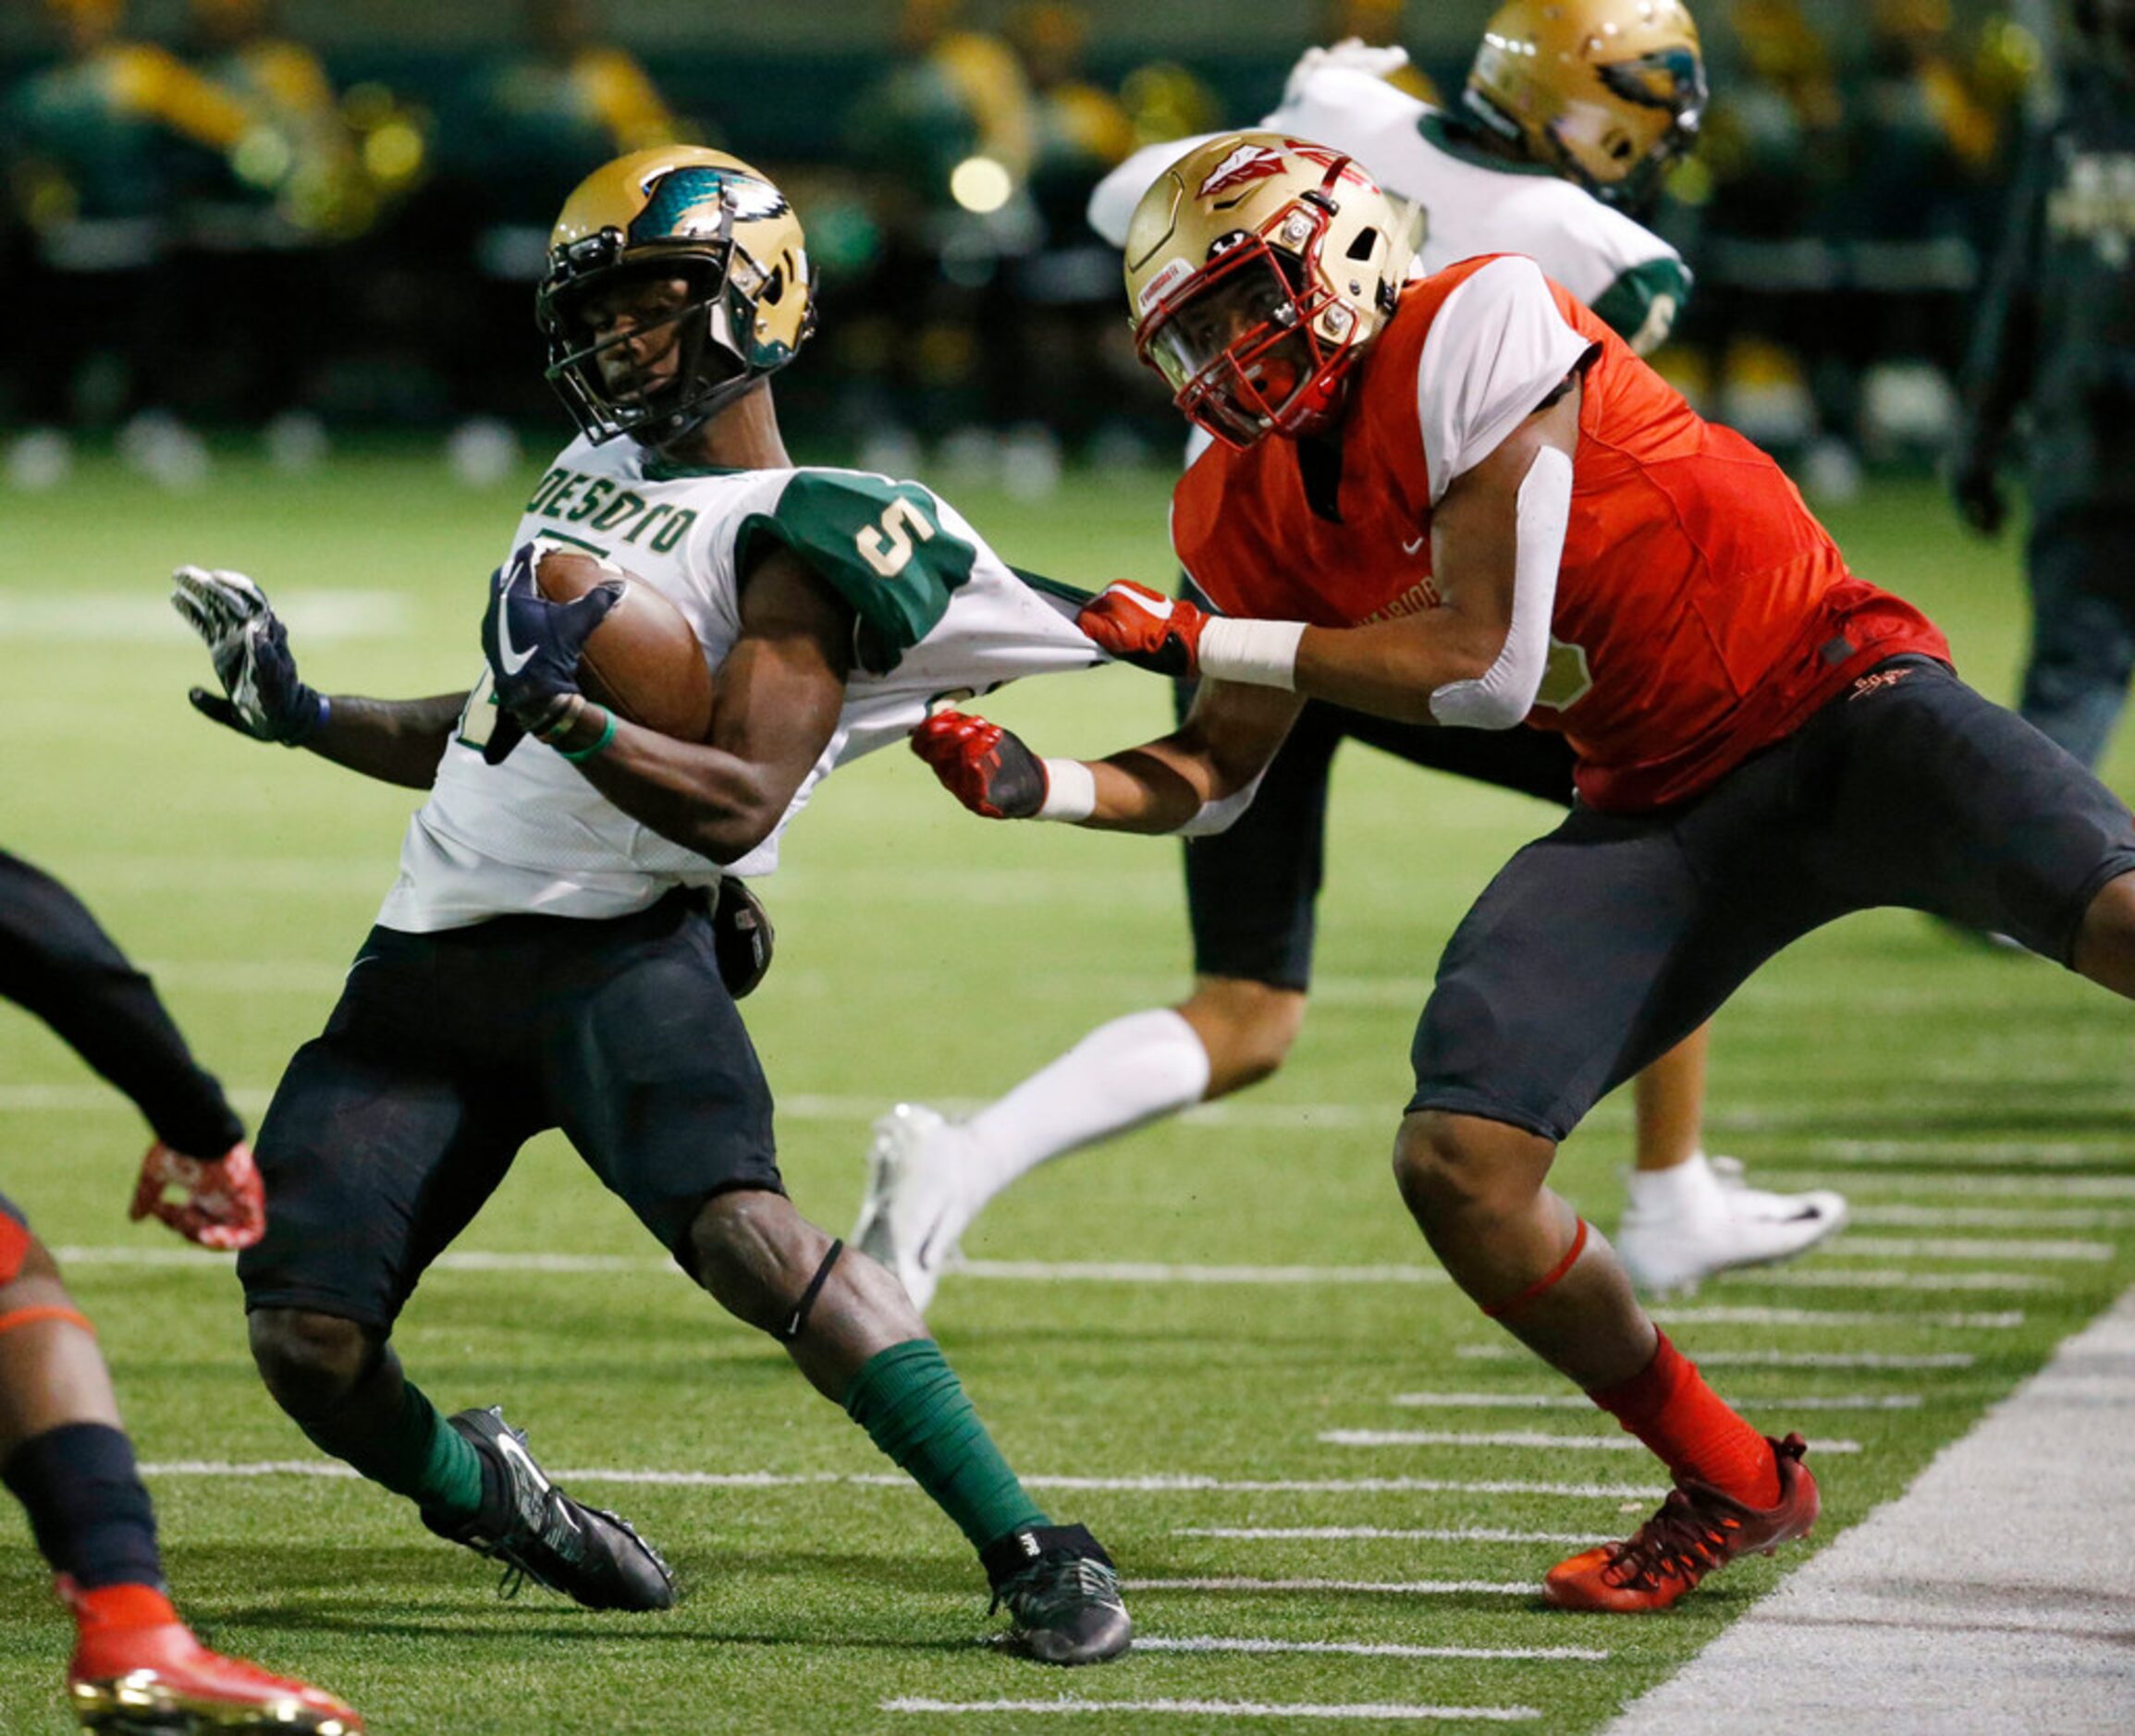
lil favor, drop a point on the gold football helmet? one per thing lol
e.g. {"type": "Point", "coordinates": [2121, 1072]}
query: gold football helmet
{"type": "Point", "coordinates": [1259, 267]}
{"type": "Point", "coordinates": [1607, 93]}
{"type": "Point", "coordinates": [677, 210]}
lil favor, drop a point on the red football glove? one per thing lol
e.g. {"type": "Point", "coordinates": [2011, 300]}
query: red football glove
{"type": "Point", "coordinates": [982, 765]}
{"type": "Point", "coordinates": [1146, 628]}
{"type": "Point", "coordinates": [217, 1203]}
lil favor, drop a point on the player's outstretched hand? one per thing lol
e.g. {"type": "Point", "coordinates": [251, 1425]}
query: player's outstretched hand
{"type": "Point", "coordinates": [981, 765]}
{"type": "Point", "coordinates": [1146, 628]}
{"type": "Point", "coordinates": [217, 1203]}
{"type": "Point", "coordinates": [534, 646]}
{"type": "Point", "coordinates": [262, 695]}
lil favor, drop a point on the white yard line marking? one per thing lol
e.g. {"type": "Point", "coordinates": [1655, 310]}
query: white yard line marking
{"type": "Point", "coordinates": [1378, 1648]}
{"type": "Point", "coordinates": [1757, 1359]}
{"type": "Point", "coordinates": [2041, 1154]}
{"type": "Point", "coordinates": [1579, 1401]}
{"type": "Point", "coordinates": [142, 615]}
{"type": "Point", "coordinates": [1345, 1533]}
{"type": "Point", "coordinates": [1844, 1277]}
{"type": "Point", "coordinates": [1229, 1708]}
{"type": "Point", "coordinates": [1515, 1438]}
{"type": "Point", "coordinates": [2007, 1320]}
{"type": "Point", "coordinates": [1164, 1272]}
{"type": "Point", "coordinates": [1397, 1587]}
{"type": "Point", "coordinates": [1992, 1216]}
{"type": "Point", "coordinates": [1168, 1483]}
{"type": "Point", "coordinates": [1968, 1248]}
{"type": "Point", "coordinates": [2059, 1189]}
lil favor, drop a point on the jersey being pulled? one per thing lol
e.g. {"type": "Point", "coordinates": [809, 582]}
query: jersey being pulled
{"type": "Point", "coordinates": [1472, 203]}
{"type": "Point", "coordinates": [936, 613]}
{"type": "Point", "coordinates": [1701, 612]}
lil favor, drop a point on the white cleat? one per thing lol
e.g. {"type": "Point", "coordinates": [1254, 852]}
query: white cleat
{"type": "Point", "coordinates": [918, 1198]}
{"type": "Point", "coordinates": [1717, 1223]}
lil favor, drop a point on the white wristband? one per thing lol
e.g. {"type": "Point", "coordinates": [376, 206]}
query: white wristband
{"type": "Point", "coordinates": [1259, 653]}
{"type": "Point", "coordinates": [1070, 792]}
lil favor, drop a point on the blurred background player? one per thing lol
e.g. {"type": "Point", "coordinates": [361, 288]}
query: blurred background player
{"type": "Point", "coordinates": [1572, 114]}
{"type": "Point", "coordinates": [64, 1455]}
{"type": "Point", "coordinates": [57, 962]}
{"type": "Point", "coordinates": [2056, 335]}
{"type": "Point", "coordinates": [546, 959]}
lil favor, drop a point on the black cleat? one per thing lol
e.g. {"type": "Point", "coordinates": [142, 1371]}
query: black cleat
{"type": "Point", "coordinates": [586, 1553]}
{"type": "Point", "coordinates": [1059, 1585]}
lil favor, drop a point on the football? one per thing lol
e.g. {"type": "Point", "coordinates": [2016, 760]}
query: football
{"type": "Point", "coordinates": [643, 660]}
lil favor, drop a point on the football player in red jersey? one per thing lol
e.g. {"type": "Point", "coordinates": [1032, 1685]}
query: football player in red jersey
{"type": "Point", "coordinates": [66, 1457]}
{"type": "Point", "coordinates": [1462, 499]}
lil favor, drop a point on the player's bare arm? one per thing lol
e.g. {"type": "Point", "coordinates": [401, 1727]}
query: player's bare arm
{"type": "Point", "coordinates": [781, 690]}
{"type": "Point", "coordinates": [1197, 779]}
{"type": "Point", "coordinates": [398, 741]}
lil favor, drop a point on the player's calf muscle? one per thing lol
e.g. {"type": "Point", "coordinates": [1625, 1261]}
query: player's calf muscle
{"type": "Point", "coordinates": [2105, 942]}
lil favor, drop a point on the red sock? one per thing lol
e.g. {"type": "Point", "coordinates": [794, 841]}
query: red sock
{"type": "Point", "coordinates": [109, 1607]}
{"type": "Point", "coordinates": [1685, 1423]}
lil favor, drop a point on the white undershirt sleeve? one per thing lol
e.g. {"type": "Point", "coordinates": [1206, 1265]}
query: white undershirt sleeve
{"type": "Point", "coordinates": [1505, 692]}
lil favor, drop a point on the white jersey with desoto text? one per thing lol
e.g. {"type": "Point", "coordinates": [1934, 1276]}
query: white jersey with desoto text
{"type": "Point", "coordinates": [937, 613]}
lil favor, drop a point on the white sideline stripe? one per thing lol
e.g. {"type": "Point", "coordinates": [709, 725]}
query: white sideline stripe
{"type": "Point", "coordinates": [1345, 1533]}
{"type": "Point", "coordinates": [1164, 1272]}
{"type": "Point", "coordinates": [1579, 1401]}
{"type": "Point", "coordinates": [1379, 1648]}
{"type": "Point", "coordinates": [1841, 1277]}
{"type": "Point", "coordinates": [1398, 1588]}
{"type": "Point", "coordinates": [1757, 1359]}
{"type": "Point", "coordinates": [1990, 1218]}
{"type": "Point", "coordinates": [1515, 1438]}
{"type": "Point", "coordinates": [1170, 1483]}
{"type": "Point", "coordinates": [1229, 1708]}
{"type": "Point", "coordinates": [1990, 1596]}
{"type": "Point", "coordinates": [2006, 1320]}
{"type": "Point", "coordinates": [1969, 1248]}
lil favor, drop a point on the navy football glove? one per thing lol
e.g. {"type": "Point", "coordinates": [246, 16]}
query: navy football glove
{"type": "Point", "coordinates": [534, 646]}
{"type": "Point", "coordinates": [262, 696]}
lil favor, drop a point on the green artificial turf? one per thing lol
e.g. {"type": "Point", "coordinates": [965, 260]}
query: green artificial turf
{"type": "Point", "coordinates": [925, 954]}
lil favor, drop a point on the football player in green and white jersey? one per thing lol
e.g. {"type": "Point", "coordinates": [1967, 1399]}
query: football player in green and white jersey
{"type": "Point", "coordinates": [547, 959]}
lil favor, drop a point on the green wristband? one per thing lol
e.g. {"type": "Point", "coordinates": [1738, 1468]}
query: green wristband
{"type": "Point", "coordinates": [607, 736]}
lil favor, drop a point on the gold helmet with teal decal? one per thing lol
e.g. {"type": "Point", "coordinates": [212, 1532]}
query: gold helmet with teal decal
{"type": "Point", "coordinates": [688, 213]}
{"type": "Point", "coordinates": [1607, 93]}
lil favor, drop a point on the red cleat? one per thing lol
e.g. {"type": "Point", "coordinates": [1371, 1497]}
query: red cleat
{"type": "Point", "coordinates": [138, 1668]}
{"type": "Point", "coordinates": [1697, 1530]}
{"type": "Point", "coordinates": [217, 1203]}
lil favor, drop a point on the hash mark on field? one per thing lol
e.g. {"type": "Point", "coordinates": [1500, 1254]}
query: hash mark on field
{"type": "Point", "coordinates": [1969, 1248]}
{"type": "Point", "coordinates": [2006, 1320]}
{"type": "Point", "coordinates": [1757, 1359]}
{"type": "Point", "coordinates": [1994, 1217]}
{"type": "Point", "coordinates": [1380, 1648]}
{"type": "Point", "coordinates": [1357, 1534]}
{"type": "Point", "coordinates": [1229, 1708]}
{"type": "Point", "coordinates": [1840, 1278]}
{"type": "Point", "coordinates": [1945, 1149]}
{"type": "Point", "coordinates": [1971, 1186]}
{"type": "Point", "coordinates": [1579, 1401]}
{"type": "Point", "coordinates": [1515, 1438]}
{"type": "Point", "coordinates": [1398, 1588]}
{"type": "Point", "coordinates": [1167, 1484]}
{"type": "Point", "coordinates": [1165, 1272]}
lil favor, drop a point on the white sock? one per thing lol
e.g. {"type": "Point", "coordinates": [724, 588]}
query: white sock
{"type": "Point", "coordinates": [1124, 1073]}
{"type": "Point", "coordinates": [1685, 1189]}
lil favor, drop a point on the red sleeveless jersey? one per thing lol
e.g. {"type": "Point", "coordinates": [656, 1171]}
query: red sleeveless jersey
{"type": "Point", "coordinates": [1701, 611]}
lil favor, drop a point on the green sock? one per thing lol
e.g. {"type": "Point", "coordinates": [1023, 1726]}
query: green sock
{"type": "Point", "coordinates": [913, 1406]}
{"type": "Point", "coordinates": [419, 1455]}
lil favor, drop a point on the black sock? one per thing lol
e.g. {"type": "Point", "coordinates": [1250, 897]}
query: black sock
{"type": "Point", "coordinates": [87, 1507]}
